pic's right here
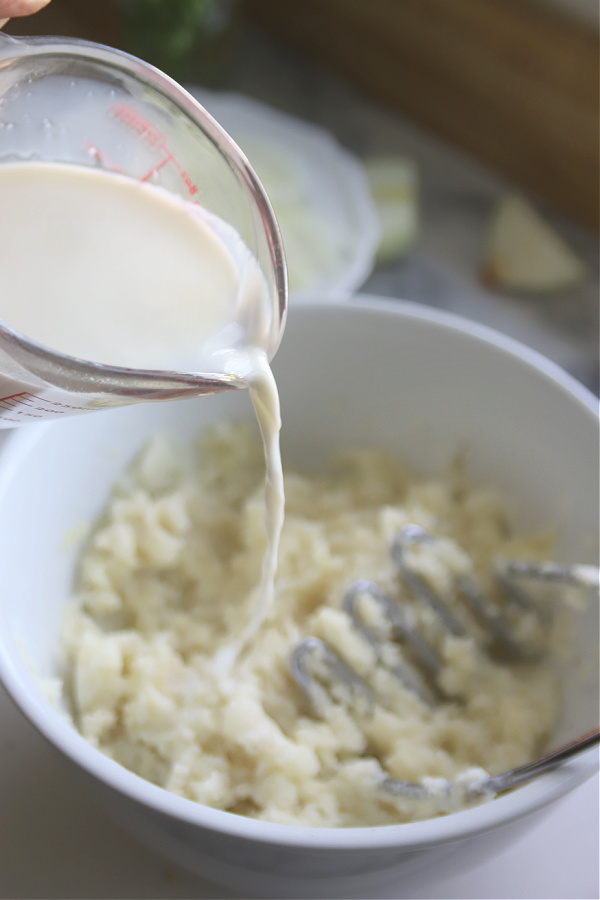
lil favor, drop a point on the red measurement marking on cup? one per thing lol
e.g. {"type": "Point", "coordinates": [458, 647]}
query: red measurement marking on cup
{"type": "Point", "coordinates": [155, 138]}
{"type": "Point", "coordinates": [31, 406]}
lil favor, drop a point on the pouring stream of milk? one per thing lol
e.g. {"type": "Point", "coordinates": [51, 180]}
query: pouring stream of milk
{"type": "Point", "coordinates": [107, 269]}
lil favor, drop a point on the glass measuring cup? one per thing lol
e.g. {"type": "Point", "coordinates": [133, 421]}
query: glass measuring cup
{"type": "Point", "coordinates": [70, 101]}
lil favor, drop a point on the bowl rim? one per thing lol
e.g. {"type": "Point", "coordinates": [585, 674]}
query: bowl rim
{"type": "Point", "coordinates": [403, 837]}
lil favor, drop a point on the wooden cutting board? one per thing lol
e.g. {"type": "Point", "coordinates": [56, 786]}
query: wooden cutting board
{"type": "Point", "coordinates": [509, 81]}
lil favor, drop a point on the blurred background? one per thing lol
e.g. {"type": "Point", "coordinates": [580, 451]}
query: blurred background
{"type": "Point", "coordinates": [474, 124]}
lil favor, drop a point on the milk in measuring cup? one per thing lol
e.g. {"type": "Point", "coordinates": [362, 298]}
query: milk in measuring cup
{"type": "Point", "coordinates": [111, 270]}
{"type": "Point", "coordinates": [101, 267]}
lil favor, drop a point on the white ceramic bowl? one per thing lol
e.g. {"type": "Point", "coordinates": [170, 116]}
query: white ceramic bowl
{"type": "Point", "coordinates": [318, 189]}
{"type": "Point", "coordinates": [420, 382]}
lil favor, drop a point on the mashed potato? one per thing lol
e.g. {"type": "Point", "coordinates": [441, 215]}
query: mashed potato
{"type": "Point", "coordinates": [168, 577]}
